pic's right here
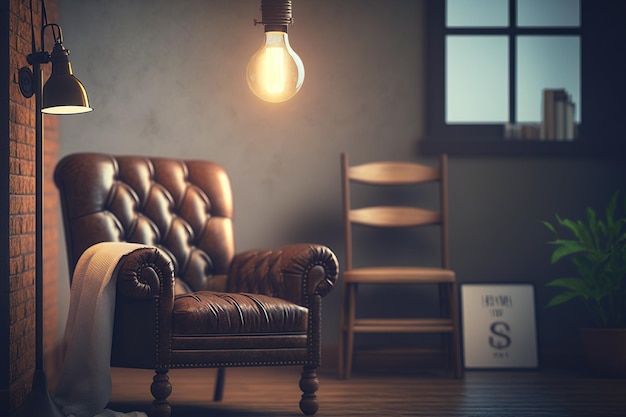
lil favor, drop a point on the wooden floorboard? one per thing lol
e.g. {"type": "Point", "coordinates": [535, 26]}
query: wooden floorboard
{"type": "Point", "coordinates": [264, 392]}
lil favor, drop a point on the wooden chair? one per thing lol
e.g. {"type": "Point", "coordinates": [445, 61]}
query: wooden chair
{"type": "Point", "coordinates": [444, 321]}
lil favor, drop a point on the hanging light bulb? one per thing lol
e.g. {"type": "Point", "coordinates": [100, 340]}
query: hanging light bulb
{"type": "Point", "coordinates": [275, 72]}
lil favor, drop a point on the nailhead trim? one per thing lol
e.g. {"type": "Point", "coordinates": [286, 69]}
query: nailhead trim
{"type": "Point", "coordinates": [220, 364]}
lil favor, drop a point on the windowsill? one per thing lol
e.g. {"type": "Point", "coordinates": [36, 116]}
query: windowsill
{"type": "Point", "coordinates": [521, 148]}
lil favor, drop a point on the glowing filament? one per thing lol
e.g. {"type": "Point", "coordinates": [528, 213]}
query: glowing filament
{"type": "Point", "coordinates": [275, 70]}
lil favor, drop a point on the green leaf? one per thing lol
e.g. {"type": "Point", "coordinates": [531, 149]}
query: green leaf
{"type": "Point", "coordinates": [584, 267]}
{"type": "Point", "coordinates": [594, 226]}
{"type": "Point", "coordinates": [549, 226]}
{"type": "Point", "coordinates": [566, 248]}
{"type": "Point", "coordinates": [561, 298]}
{"type": "Point", "coordinates": [575, 285]}
{"type": "Point", "coordinates": [578, 228]}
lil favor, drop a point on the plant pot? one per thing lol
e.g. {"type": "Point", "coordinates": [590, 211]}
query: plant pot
{"type": "Point", "coordinates": [605, 351]}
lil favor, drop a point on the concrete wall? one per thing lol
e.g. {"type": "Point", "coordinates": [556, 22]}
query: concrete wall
{"type": "Point", "coordinates": [168, 78]}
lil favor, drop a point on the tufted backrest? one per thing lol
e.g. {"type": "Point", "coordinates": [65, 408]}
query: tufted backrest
{"type": "Point", "coordinates": [184, 207]}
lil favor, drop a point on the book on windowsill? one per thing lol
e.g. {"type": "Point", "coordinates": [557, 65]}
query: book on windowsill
{"type": "Point", "coordinates": [522, 131]}
{"type": "Point", "coordinates": [558, 115]}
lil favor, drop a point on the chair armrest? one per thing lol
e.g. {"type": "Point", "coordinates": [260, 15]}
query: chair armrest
{"type": "Point", "coordinates": [293, 272]}
{"type": "Point", "coordinates": [145, 273]}
{"type": "Point", "coordinates": [143, 309]}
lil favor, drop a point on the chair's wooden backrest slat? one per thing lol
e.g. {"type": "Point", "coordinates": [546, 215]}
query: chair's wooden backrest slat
{"type": "Point", "coordinates": [394, 173]}
{"type": "Point", "coordinates": [394, 216]}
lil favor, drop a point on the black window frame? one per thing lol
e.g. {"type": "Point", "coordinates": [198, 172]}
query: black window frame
{"type": "Point", "coordinates": [488, 139]}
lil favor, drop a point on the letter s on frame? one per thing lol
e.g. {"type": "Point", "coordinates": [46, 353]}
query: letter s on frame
{"type": "Point", "coordinates": [501, 340]}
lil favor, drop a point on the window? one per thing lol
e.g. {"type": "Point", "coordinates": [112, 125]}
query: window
{"type": "Point", "coordinates": [503, 71]}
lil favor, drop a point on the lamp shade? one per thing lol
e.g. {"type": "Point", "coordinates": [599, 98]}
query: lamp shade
{"type": "Point", "coordinates": [63, 93]}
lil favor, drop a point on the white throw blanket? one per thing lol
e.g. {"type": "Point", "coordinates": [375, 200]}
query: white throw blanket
{"type": "Point", "coordinates": [84, 388]}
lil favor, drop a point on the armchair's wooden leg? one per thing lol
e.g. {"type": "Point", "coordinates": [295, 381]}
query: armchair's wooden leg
{"type": "Point", "coordinates": [161, 389]}
{"type": "Point", "coordinates": [219, 384]}
{"type": "Point", "coordinates": [309, 383]}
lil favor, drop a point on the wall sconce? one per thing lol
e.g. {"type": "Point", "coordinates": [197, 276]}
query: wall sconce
{"type": "Point", "coordinates": [62, 94]}
{"type": "Point", "coordinates": [275, 72]}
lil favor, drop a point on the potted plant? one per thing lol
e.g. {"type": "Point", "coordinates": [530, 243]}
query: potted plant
{"type": "Point", "coordinates": [597, 249]}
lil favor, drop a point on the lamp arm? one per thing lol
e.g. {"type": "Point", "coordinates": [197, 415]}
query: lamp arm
{"type": "Point", "coordinates": [26, 79]}
{"type": "Point", "coordinates": [58, 37]}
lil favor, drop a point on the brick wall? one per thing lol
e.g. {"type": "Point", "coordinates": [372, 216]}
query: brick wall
{"type": "Point", "coordinates": [19, 162]}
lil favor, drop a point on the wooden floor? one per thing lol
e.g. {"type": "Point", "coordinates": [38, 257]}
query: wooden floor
{"type": "Point", "coordinates": [264, 392]}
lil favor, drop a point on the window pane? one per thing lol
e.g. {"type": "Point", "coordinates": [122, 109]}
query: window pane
{"type": "Point", "coordinates": [485, 13]}
{"type": "Point", "coordinates": [477, 74]}
{"type": "Point", "coordinates": [546, 62]}
{"type": "Point", "coordinates": [552, 13]}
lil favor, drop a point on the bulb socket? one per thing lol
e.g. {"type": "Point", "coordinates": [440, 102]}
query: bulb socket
{"type": "Point", "coordinates": [60, 60]}
{"type": "Point", "coordinates": [276, 15]}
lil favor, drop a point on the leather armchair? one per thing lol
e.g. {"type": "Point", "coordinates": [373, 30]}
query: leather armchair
{"type": "Point", "coordinates": [187, 300]}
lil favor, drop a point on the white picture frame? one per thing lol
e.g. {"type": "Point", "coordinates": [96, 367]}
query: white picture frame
{"type": "Point", "coordinates": [499, 326]}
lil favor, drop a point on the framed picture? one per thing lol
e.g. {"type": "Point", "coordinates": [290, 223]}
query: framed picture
{"type": "Point", "coordinates": [499, 326]}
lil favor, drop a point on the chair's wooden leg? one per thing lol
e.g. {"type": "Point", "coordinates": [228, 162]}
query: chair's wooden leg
{"type": "Point", "coordinates": [161, 389]}
{"type": "Point", "coordinates": [343, 332]}
{"type": "Point", "coordinates": [456, 336]}
{"type": "Point", "coordinates": [350, 330]}
{"type": "Point", "coordinates": [309, 383]}
{"type": "Point", "coordinates": [340, 358]}
{"type": "Point", "coordinates": [219, 384]}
